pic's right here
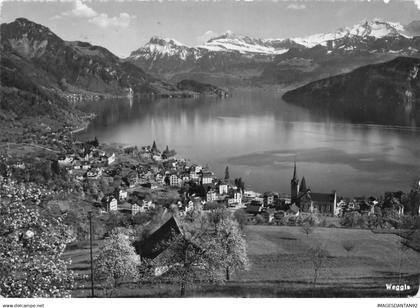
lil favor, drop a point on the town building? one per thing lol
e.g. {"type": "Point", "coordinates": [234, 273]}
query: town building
{"type": "Point", "coordinates": [175, 181]}
{"type": "Point", "coordinates": [122, 195]}
{"type": "Point", "coordinates": [255, 207]}
{"type": "Point", "coordinates": [111, 159]}
{"type": "Point", "coordinates": [236, 199]}
{"type": "Point", "coordinates": [211, 196]}
{"type": "Point", "coordinates": [112, 205]}
{"type": "Point", "coordinates": [206, 177]}
{"type": "Point", "coordinates": [223, 189]}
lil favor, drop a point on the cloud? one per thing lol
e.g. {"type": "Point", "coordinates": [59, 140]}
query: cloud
{"type": "Point", "coordinates": [82, 10]}
{"type": "Point", "coordinates": [104, 21]}
{"type": "Point", "coordinates": [206, 36]}
{"type": "Point", "coordinates": [296, 6]}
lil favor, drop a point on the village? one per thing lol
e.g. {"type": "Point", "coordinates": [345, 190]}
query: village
{"type": "Point", "coordinates": [152, 195]}
{"type": "Point", "coordinates": [123, 178]}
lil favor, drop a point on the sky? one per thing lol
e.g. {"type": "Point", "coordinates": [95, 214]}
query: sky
{"type": "Point", "coordinates": [124, 26]}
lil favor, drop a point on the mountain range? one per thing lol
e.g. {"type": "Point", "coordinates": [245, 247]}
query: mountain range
{"type": "Point", "coordinates": [39, 71]}
{"type": "Point", "coordinates": [232, 58]}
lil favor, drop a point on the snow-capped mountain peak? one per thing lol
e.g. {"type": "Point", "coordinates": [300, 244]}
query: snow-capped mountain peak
{"type": "Point", "coordinates": [161, 47]}
{"type": "Point", "coordinates": [231, 42]}
{"type": "Point", "coordinates": [157, 40]}
{"type": "Point", "coordinates": [375, 28]}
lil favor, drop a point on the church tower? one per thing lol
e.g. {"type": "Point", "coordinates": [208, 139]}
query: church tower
{"type": "Point", "coordinates": [302, 186]}
{"type": "Point", "coordinates": [294, 186]}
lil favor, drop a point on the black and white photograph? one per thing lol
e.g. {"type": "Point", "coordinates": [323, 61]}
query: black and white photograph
{"type": "Point", "coordinates": [210, 150]}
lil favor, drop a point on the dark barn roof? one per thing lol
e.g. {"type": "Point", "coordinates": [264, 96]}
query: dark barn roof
{"type": "Point", "coordinates": [254, 208]}
{"type": "Point", "coordinates": [159, 240]}
{"type": "Point", "coordinates": [321, 197]}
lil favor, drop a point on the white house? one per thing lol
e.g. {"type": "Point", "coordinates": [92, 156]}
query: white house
{"type": "Point", "coordinates": [174, 180]}
{"type": "Point", "coordinates": [92, 174]}
{"type": "Point", "coordinates": [111, 159]}
{"type": "Point", "coordinates": [122, 194]}
{"type": "Point", "coordinates": [135, 208]}
{"type": "Point", "coordinates": [67, 160]}
{"type": "Point", "coordinates": [211, 196]}
{"type": "Point", "coordinates": [236, 199]}
{"type": "Point", "coordinates": [196, 168]}
{"type": "Point", "coordinates": [19, 165]}
{"type": "Point", "coordinates": [80, 177]}
{"type": "Point", "coordinates": [223, 189]}
{"type": "Point", "coordinates": [206, 177]}
{"type": "Point", "coordinates": [148, 205]}
{"type": "Point", "coordinates": [193, 175]}
{"type": "Point", "coordinates": [250, 194]}
{"type": "Point", "coordinates": [113, 205]}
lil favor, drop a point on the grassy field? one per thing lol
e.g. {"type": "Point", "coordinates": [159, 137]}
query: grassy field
{"type": "Point", "coordinates": [280, 266]}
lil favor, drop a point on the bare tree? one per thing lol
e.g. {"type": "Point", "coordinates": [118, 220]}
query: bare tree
{"type": "Point", "coordinates": [318, 256]}
{"type": "Point", "coordinates": [307, 228]}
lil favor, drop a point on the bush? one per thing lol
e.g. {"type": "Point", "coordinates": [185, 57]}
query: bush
{"type": "Point", "coordinates": [259, 219]}
{"type": "Point", "coordinates": [291, 221]}
{"type": "Point", "coordinates": [350, 219]}
{"type": "Point", "coordinates": [323, 223]}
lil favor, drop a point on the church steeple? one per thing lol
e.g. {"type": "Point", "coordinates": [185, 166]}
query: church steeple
{"type": "Point", "coordinates": [294, 173]}
{"type": "Point", "coordinates": [154, 147]}
{"type": "Point", "coordinates": [303, 187]}
{"type": "Point", "coordinates": [294, 186]}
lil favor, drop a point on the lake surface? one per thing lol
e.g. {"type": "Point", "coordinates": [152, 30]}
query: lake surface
{"type": "Point", "coordinates": [258, 136]}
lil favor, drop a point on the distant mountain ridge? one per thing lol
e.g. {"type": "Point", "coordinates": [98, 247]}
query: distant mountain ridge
{"type": "Point", "coordinates": [278, 60]}
{"type": "Point", "coordinates": [385, 93]}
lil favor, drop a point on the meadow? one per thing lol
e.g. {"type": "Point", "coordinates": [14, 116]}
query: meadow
{"type": "Point", "coordinates": [281, 266]}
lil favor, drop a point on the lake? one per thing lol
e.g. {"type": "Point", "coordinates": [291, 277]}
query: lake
{"type": "Point", "coordinates": [258, 136]}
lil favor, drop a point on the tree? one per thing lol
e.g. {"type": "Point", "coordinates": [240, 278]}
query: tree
{"type": "Point", "coordinates": [31, 250]}
{"type": "Point", "coordinates": [351, 219]}
{"type": "Point", "coordinates": [348, 246]}
{"type": "Point", "coordinates": [240, 184]}
{"type": "Point", "coordinates": [233, 246]}
{"type": "Point", "coordinates": [117, 261]}
{"type": "Point", "coordinates": [413, 201]}
{"type": "Point", "coordinates": [318, 257]}
{"type": "Point", "coordinates": [55, 167]}
{"type": "Point", "coordinates": [240, 217]}
{"type": "Point", "coordinates": [307, 228]}
{"type": "Point", "coordinates": [95, 142]}
{"type": "Point", "coordinates": [227, 176]}
{"type": "Point", "coordinates": [216, 216]}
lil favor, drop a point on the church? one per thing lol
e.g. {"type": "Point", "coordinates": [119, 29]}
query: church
{"type": "Point", "coordinates": [312, 202]}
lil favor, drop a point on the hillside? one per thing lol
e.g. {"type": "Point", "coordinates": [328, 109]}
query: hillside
{"type": "Point", "coordinates": [385, 93]}
{"type": "Point", "coordinates": [74, 67]}
{"type": "Point", "coordinates": [201, 88]}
